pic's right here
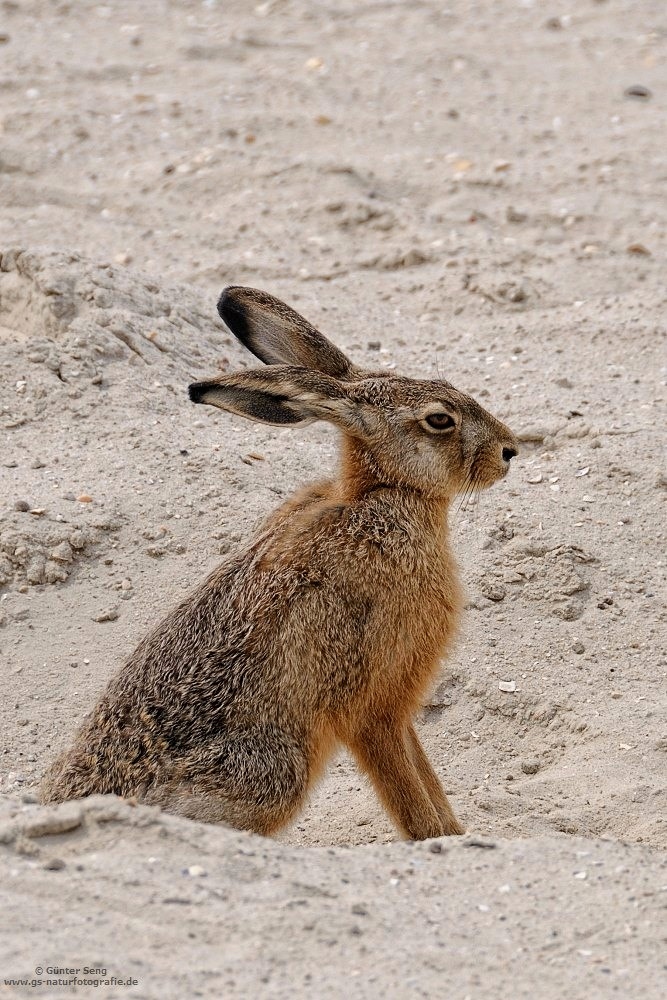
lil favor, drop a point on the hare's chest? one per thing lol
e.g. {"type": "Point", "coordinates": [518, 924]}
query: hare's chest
{"type": "Point", "coordinates": [379, 641]}
{"type": "Point", "coordinates": [414, 623]}
{"type": "Point", "coordinates": [425, 614]}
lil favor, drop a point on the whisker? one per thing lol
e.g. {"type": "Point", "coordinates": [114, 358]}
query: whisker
{"type": "Point", "coordinates": [470, 495]}
{"type": "Point", "coordinates": [462, 492]}
{"type": "Point", "coordinates": [466, 492]}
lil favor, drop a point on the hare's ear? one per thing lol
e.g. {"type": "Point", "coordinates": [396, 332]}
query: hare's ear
{"type": "Point", "coordinates": [277, 395]}
{"type": "Point", "coordinates": [278, 335]}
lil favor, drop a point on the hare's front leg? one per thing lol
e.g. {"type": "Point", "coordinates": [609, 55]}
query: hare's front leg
{"type": "Point", "coordinates": [385, 753]}
{"type": "Point", "coordinates": [432, 785]}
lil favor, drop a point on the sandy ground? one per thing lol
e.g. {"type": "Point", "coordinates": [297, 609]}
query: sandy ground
{"type": "Point", "coordinates": [464, 189]}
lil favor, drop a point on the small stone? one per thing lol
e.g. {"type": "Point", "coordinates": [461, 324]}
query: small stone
{"type": "Point", "coordinates": [569, 612]}
{"type": "Point", "coordinates": [578, 647]}
{"type": "Point", "coordinates": [374, 345]}
{"type": "Point", "coordinates": [85, 498]}
{"type": "Point", "coordinates": [638, 250]}
{"type": "Point", "coordinates": [639, 91]}
{"type": "Point", "coordinates": [359, 910]}
{"type": "Point", "coordinates": [413, 257]}
{"type": "Point", "coordinates": [441, 697]}
{"type": "Point", "coordinates": [54, 865]}
{"type": "Point", "coordinates": [62, 553]}
{"type": "Point", "coordinates": [508, 687]}
{"type": "Point", "coordinates": [530, 766]}
{"type": "Point", "coordinates": [108, 615]}
{"type": "Point", "coordinates": [35, 570]}
{"type": "Point", "coordinates": [22, 505]}
{"type": "Point", "coordinates": [435, 847]}
{"type": "Point", "coordinates": [55, 572]}
{"type": "Point", "coordinates": [553, 23]}
{"type": "Point", "coordinates": [493, 591]}
{"type": "Point", "coordinates": [151, 534]}
{"type": "Point", "coordinates": [196, 871]}
{"type": "Point", "coordinates": [514, 293]}
{"type": "Point", "coordinates": [155, 551]}
{"type": "Point", "coordinates": [513, 215]}
{"type": "Point", "coordinates": [77, 539]}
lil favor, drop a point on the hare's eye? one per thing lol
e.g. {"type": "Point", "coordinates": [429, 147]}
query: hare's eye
{"type": "Point", "coordinates": [440, 421]}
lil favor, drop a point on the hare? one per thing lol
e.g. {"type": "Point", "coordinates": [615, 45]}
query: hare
{"type": "Point", "coordinates": [328, 628]}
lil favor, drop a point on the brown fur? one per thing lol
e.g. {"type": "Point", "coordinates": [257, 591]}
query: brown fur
{"type": "Point", "coordinates": [328, 629]}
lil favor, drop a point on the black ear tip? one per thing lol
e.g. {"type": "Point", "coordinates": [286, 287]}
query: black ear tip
{"type": "Point", "coordinates": [196, 391]}
{"type": "Point", "coordinates": [227, 302]}
{"type": "Point", "coordinates": [222, 303]}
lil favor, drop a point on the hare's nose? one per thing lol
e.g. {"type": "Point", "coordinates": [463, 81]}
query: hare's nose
{"type": "Point", "coordinates": [509, 454]}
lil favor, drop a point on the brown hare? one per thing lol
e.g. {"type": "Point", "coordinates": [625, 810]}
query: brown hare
{"type": "Point", "coordinates": [328, 628]}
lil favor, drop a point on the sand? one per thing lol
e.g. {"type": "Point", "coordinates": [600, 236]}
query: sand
{"type": "Point", "coordinates": [470, 190]}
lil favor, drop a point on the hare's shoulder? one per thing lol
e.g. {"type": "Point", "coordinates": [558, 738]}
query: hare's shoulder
{"type": "Point", "coordinates": [325, 536]}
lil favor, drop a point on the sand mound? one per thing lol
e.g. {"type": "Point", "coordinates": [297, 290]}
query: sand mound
{"type": "Point", "coordinates": [75, 315]}
{"type": "Point", "coordinates": [472, 911]}
{"type": "Point", "coordinates": [75, 334]}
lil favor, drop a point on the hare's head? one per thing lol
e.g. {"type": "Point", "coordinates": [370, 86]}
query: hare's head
{"type": "Point", "coordinates": [417, 434]}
